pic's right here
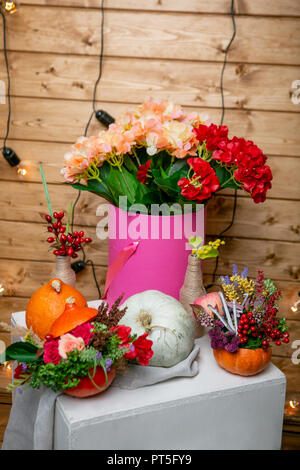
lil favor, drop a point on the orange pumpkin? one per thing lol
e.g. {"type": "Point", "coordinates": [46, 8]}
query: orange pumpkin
{"type": "Point", "coordinates": [244, 362]}
{"type": "Point", "coordinates": [48, 303]}
{"type": "Point", "coordinates": [87, 387]}
{"type": "Point", "coordinates": [72, 316]}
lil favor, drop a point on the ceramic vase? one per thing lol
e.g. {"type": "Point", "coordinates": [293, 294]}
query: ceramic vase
{"type": "Point", "coordinates": [192, 289]}
{"type": "Point", "coordinates": [63, 270]}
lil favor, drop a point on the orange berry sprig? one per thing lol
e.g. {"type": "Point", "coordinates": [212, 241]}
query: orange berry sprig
{"type": "Point", "coordinates": [62, 242]}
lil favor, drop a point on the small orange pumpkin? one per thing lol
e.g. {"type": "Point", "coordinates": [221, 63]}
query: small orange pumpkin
{"type": "Point", "coordinates": [48, 303]}
{"type": "Point", "coordinates": [244, 362]}
{"type": "Point", "coordinates": [72, 316]}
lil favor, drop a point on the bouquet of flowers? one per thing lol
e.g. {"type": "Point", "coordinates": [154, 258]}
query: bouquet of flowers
{"type": "Point", "coordinates": [62, 361]}
{"type": "Point", "coordinates": [244, 314]}
{"type": "Point", "coordinates": [158, 153]}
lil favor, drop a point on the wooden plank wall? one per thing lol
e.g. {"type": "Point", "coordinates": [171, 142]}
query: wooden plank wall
{"type": "Point", "coordinates": [171, 49]}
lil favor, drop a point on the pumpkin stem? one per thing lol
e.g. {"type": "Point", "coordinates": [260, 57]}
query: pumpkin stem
{"type": "Point", "coordinates": [70, 301]}
{"type": "Point", "coordinates": [145, 319]}
{"type": "Point", "coordinates": [56, 285]}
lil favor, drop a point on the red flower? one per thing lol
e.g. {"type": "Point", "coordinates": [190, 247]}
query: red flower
{"type": "Point", "coordinates": [51, 353]}
{"type": "Point", "coordinates": [19, 370]}
{"type": "Point", "coordinates": [142, 174]}
{"type": "Point", "coordinates": [249, 161]}
{"type": "Point", "coordinates": [255, 181]}
{"type": "Point", "coordinates": [203, 183]}
{"type": "Point", "coordinates": [123, 332]}
{"type": "Point", "coordinates": [212, 135]}
{"type": "Point", "coordinates": [142, 350]}
{"type": "Point", "coordinates": [239, 152]}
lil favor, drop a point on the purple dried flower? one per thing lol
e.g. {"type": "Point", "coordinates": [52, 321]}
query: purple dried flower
{"type": "Point", "coordinates": [244, 273]}
{"type": "Point", "coordinates": [233, 346]}
{"type": "Point", "coordinates": [235, 269]}
{"type": "Point", "coordinates": [131, 347]}
{"type": "Point", "coordinates": [98, 355]}
{"type": "Point", "coordinates": [225, 280]}
{"type": "Point", "coordinates": [108, 363]}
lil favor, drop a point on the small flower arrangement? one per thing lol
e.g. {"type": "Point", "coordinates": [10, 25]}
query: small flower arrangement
{"type": "Point", "coordinates": [210, 250]}
{"type": "Point", "coordinates": [158, 153]}
{"type": "Point", "coordinates": [244, 315]}
{"type": "Point", "coordinates": [60, 363]}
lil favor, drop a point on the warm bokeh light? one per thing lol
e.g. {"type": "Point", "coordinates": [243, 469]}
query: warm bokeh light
{"type": "Point", "coordinates": [6, 288]}
{"type": "Point", "coordinates": [295, 307]}
{"type": "Point", "coordinates": [10, 7]}
{"type": "Point", "coordinates": [294, 404]}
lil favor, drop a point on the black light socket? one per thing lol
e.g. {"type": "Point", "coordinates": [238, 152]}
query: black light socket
{"type": "Point", "coordinates": [105, 118]}
{"type": "Point", "coordinates": [10, 156]}
{"type": "Point", "coordinates": [78, 266]}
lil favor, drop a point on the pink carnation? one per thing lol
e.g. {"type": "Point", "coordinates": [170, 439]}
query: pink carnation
{"type": "Point", "coordinates": [51, 353]}
{"type": "Point", "coordinates": [83, 331]}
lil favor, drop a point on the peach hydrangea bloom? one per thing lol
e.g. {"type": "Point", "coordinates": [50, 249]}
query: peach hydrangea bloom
{"type": "Point", "coordinates": [84, 151]}
{"type": "Point", "coordinates": [156, 125]}
{"type": "Point", "coordinates": [68, 343]}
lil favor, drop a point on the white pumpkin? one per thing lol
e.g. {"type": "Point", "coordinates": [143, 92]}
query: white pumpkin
{"type": "Point", "coordinates": [169, 326]}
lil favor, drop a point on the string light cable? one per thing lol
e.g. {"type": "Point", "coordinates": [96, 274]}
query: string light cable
{"type": "Point", "coordinates": [221, 123]}
{"type": "Point", "coordinates": [9, 154]}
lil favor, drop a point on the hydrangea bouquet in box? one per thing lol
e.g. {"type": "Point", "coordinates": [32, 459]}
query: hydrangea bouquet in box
{"type": "Point", "coordinates": [242, 320]}
{"type": "Point", "coordinates": [158, 153]}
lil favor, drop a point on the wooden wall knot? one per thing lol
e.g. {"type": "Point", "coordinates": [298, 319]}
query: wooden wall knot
{"type": "Point", "coordinates": [241, 70]}
{"type": "Point", "coordinates": [270, 221]}
{"type": "Point", "coordinates": [271, 259]}
{"type": "Point", "coordinates": [295, 229]}
{"type": "Point", "coordinates": [294, 272]}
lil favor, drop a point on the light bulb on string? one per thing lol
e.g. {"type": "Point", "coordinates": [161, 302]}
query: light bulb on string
{"type": "Point", "coordinates": [24, 170]}
{"type": "Point", "coordinates": [9, 7]}
{"type": "Point", "coordinates": [296, 306]}
{"type": "Point", "coordinates": [6, 288]}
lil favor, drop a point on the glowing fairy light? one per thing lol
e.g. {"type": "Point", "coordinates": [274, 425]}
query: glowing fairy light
{"type": "Point", "coordinates": [295, 307]}
{"type": "Point", "coordinates": [6, 288]}
{"type": "Point", "coordinates": [10, 7]}
{"type": "Point", "coordinates": [294, 404]}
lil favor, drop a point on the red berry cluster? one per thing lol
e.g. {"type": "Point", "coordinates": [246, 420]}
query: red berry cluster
{"type": "Point", "coordinates": [272, 333]}
{"type": "Point", "coordinates": [266, 332]}
{"type": "Point", "coordinates": [64, 243]}
{"type": "Point", "coordinates": [247, 327]}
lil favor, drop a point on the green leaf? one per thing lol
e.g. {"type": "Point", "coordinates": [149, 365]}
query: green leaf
{"type": "Point", "coordinates": [195, 241]}
{"type": "Point", "coordinates": [96, 187]}
{"type": "Point", "coordinates": [224, 177]}
{"type": "Point", "coordinates": [129, 163]}
{"type": "Point", "coordinates": [123, 183]}
{"type": "Point", "coordinates": [252, 343]}
{"type": "Point", "coordinates": [21, 352]}
{"type": "Point", "coordinates": [177, 166]}
{"type": "Point", "coordinates": [152, 197]}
